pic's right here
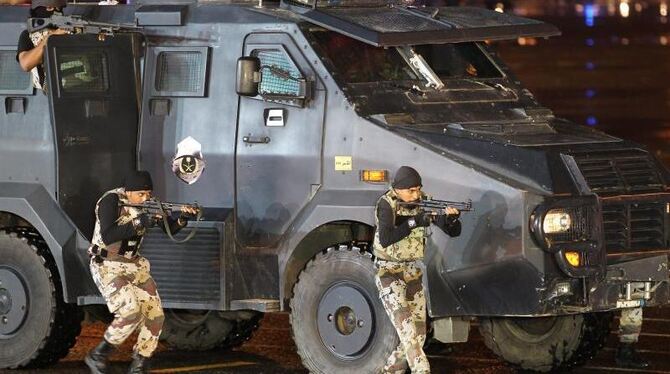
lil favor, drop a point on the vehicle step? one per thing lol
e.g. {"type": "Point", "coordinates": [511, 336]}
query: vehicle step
{"type": "Point", "coordinates": [261, 305]}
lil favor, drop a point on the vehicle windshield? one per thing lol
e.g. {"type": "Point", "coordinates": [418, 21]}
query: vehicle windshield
{"type": "Point", "coordinates": [358, 62]}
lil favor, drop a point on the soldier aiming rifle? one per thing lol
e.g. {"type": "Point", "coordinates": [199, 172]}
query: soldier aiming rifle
{"type": "Point", "coordinates": [122, 274]}
{"type": "Point", "coordinates": [30, 49]}
{"type": "Point", "coordinates": [402, 216]}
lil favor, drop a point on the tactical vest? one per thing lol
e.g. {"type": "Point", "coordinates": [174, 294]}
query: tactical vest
{"type": "Point", "coordinates": [410, 248]}
{"type": "Point", "coordinates": [37, 37]}
{"type": "Point", "coordinates": [126, 248]}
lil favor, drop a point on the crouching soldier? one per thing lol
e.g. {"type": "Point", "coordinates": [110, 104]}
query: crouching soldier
{"type": "Point", "coordinates": [122, 275]}
{"type": "Point", "coordinates": [398, 247]}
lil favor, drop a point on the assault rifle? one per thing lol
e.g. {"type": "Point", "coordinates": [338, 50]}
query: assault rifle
{"type": "Point", "coordinates": [78, 25]}
{"type": "Point", "coordinates": [436, 207]}
{"type": "Point", "coordinates": [154, 207]}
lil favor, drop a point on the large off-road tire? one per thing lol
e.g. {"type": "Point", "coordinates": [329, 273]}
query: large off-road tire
{"type": "Point", "coordinates": [37, 328]}
{"type": "Point", "coordinates": [200, 330]}
{"type": "Point", "coordinates": [338, 321]}
{"type": "Point", "coordinates": [546, 343]}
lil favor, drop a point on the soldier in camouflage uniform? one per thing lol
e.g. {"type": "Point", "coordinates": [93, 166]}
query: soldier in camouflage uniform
{"type": "Point", "coordinates": [399, 247]}
{"type": "Point", "coordinates": [122, 275]}
{"type": "Point", "coordinates": [630, 325]}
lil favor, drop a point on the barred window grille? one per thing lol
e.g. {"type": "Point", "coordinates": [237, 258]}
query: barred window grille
{"type": "Point", "coordinates": [12, 78]}
{"type": "Point", "coordinates": [83, 72]}
{"type": "Point", "coordinates": [180, 71]}
{"type": "Point", "coordinates": [280, 76]}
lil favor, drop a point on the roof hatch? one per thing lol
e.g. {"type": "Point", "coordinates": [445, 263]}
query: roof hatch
{"type": "Point", "coordinates": [390, 25]}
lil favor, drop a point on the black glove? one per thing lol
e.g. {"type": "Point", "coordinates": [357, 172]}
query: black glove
{"type": "Point", "coordinates": [453, 217]}
{"type": "Point", "coordinates": [182, 220]}
{"type": "Point", "coordinates": [144, 221]}
{"type": "Point", "coordinates": [419, 220]}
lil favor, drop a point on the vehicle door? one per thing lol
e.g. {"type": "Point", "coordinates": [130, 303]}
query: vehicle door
{"type": "Point", "coordinates": [26, 142]}
{"type": "Point", "coordinates": [278, 160]}
{"type": "Point", "coordinates": [92, 87]}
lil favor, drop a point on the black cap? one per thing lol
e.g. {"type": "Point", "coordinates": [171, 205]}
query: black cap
{"type": "Point", "coordinates": [138, 181]}
{"type": "Point", "coordinates": [406, 177]}
{"type": "Point", "coordinates": [48, 3]}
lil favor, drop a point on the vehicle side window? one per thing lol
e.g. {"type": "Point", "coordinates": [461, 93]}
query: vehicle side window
{"type": "Point", "coordinates": [83, 71]}
{"type": "Point", "coordinates": [13, 80]}
{"type": "Point", "coordinates": [180, 72]}
{"type": "Point", "coordinates": [280, 76]}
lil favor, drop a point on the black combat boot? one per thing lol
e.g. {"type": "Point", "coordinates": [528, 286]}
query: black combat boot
{"type": "Point", "coordinates": [627, 357]}
{"type": "Point", "coordinates": [140, 364]}
{"type": "Point", "coordinates": [96, 359]}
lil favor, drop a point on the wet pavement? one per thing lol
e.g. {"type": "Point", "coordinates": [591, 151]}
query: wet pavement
{"type": "Point", "coordinates": [271, 350]}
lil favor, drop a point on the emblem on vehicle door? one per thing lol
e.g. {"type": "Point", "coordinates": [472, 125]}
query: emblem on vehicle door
{"type": "Point", "coordinates": [188, 163]}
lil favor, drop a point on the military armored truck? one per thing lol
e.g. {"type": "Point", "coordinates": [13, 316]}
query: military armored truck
{"type": "Point", "coordinates": [302, 110]}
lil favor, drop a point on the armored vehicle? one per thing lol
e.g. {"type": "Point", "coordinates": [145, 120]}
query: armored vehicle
{"type": "Point", "coordinates": [301, 111]}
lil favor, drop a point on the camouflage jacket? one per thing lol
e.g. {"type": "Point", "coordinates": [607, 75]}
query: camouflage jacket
{"type": "Point", "coordinates": [411, 246]}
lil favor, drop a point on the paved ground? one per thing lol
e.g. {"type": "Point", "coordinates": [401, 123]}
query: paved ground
{"type": "Point", "coordinates": [271, 350]}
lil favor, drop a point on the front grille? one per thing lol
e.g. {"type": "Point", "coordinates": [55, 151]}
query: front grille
{"type": "Point", "coordinates": [187, 272]}
{"type": "Point", "coordinates": [634, 226]}
{"type": "Point", "coordinates": [619, 172]}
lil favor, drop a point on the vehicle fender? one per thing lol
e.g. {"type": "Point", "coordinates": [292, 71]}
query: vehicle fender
{"type": "Point", "coordinates": [304, 239]}
{"type": "Point", "coordinates": [33, 203]}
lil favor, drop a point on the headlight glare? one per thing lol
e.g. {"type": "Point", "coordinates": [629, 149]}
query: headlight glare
{"type": "Point", "coordinates": [556, 221]}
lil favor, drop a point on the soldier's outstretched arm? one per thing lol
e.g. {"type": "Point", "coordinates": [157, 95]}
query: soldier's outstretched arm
{"type": "Point", "coordinates": [180, 221]}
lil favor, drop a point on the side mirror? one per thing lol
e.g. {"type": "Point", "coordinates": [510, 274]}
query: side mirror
{"type": "Point", "coordinates": [248, 76]}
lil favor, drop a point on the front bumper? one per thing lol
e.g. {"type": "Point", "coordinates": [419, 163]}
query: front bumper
{"type": "Point", "coordinates": [631, 282]}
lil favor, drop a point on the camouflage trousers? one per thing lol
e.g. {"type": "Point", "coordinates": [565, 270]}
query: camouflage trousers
{"type": "Point", "coordinates": [402, 294]}
{"type": "Point", "coordinates": [132, 297]}
{"type": "Point", "coordinates": [630, 325]}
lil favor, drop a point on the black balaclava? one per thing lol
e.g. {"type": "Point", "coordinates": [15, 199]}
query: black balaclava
{"type": "Point", "coordinates": [406, 177]}
{"type": "Point", "coordinates": [138, 181]}
{"type": "Point", "coordinates": [42, 12]}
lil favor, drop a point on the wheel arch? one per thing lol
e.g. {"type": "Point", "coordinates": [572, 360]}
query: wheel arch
{"type": "Point", "coordinates": [336, 225]}
{"type": "Point", "coordinates": [28, 204]}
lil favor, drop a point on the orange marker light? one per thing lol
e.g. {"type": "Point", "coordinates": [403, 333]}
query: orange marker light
{"type": "Point", "coordinates": [375, 176]}
{"type": "Point", "coordinates": [573, 258]}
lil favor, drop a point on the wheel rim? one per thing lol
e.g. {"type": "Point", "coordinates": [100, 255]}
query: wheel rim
{"type": "Point", "coordinates": [13, 302]}
{"type": "Point", "coordinates": [345, 320]}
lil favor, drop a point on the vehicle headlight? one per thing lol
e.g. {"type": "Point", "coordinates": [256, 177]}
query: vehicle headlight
{"type": "Point", "coordinates": [556, 221]}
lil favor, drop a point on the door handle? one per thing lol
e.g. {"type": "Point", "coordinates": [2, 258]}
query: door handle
{"type": "Point", "coordinates": [256, 139]}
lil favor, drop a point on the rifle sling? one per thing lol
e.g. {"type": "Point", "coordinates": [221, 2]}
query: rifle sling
{"type": "Point", "coordinates": [167, 226]}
